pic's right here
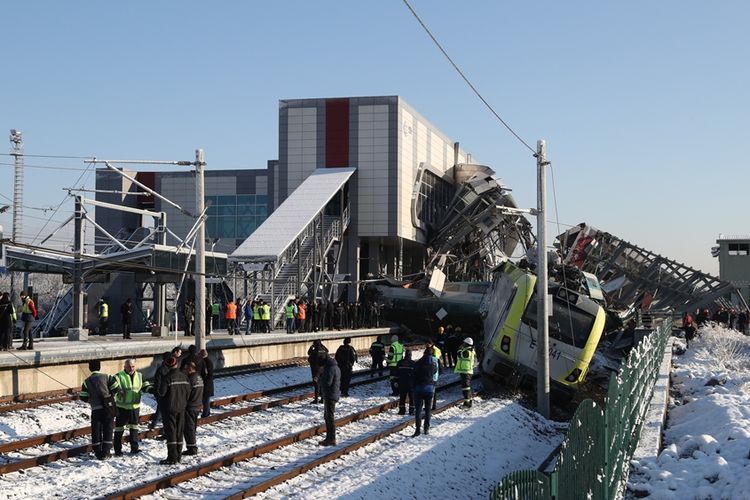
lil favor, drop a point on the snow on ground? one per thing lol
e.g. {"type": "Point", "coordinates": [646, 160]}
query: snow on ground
{"type": "Point", "coordinates": [71, 415]}
{"type": "Point", "coordinates": [707, 436]}
{"type": "Point", "coordinates": [466, 453]}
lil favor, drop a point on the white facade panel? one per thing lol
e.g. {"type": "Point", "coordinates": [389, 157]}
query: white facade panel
{"type": "Point", "coordinates": [302, 137]}
{"type": "Point", "coordinates": [372, 162]}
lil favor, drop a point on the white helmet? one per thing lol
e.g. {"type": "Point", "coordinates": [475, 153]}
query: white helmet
{"type": "Point", "coordinates": [469, 341]}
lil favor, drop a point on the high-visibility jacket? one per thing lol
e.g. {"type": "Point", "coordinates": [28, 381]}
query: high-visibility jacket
{"type": "Point", "coordinates": [13, 315]}
{"type": "Point", "coordinates": [265, 313]}
{"type": "Point", "coordinates": [396, 353]}
{"type": "Point", "coordinates": [465, 362]}
{"type": "Point", "coordinates": [104, 310]}
{"type": "Point", "coordinates": [256, 312]}
{"type": "Point", "coordinates": [131, 387]}
{"type": "Point", "coordinates": [301, 311]}
{"type": "Point", "coordinates": [436, 350]}
{"type": "Point", "coordinates": [28, 307]}
{"type": "Point", "coordinates": [215, 309]}
{"type": "Point", "coordinates": [289, 310]}
{"type": "Point", "coordinates": [231, 311]}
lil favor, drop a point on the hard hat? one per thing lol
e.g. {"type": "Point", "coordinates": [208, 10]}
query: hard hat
{"type": "Point", "coordinates": [469, 341]}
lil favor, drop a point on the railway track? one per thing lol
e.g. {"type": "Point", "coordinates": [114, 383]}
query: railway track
{"type": "Point", "coordinates": [258, 479]}
{"type": "Point", "coordinates": [72, 434]}
{"type": "Point", "coordinates": [26, 401]}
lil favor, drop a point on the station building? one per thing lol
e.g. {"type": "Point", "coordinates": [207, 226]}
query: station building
{"type": "Point", "coordinates": [395, 170]}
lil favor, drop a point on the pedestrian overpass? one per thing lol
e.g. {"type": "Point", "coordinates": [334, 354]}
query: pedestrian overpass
{"type": "Point", "coordinates": [298, 247]}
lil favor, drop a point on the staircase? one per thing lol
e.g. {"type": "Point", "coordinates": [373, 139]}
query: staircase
{"type": "Point", "coordinates": [294, 267]}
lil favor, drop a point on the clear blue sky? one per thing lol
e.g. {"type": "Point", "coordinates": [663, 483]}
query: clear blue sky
{"type": "Point", "coordinates": [642, 104]}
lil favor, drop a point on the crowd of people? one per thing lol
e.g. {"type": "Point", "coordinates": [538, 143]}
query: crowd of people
{"type": "Point", "coordinates": [736, 319]}
{"type": "Point", "coordinates": [9, 315]}
{"type": "Point", "coordinates": [300, 316]}
{"type": "Point", "coordinates": [182, 387]}
{"type": "Point", "coordinates": [413, 381]}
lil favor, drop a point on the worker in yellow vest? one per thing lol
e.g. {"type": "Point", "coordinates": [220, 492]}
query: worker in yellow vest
{"type": "Point", "coordinates": [395, 354]}
{"type": "Point", "coordinates": [128, 401]}
{"type": "Point", "coordinates": [465, 368]}
{"type": "Point", "coordinates": [28, 315]}
{"type": "Point", "coordinates": [102, 312]}
{"type": "Point", "coordinates": [265, 315]}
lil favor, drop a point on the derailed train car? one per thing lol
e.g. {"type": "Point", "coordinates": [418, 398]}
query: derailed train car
{"type": "Point", "coordinates": [509, 309]}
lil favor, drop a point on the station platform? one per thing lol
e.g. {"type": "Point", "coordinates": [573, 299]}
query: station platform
{"type": "Point", "coordinates": [58, 365]}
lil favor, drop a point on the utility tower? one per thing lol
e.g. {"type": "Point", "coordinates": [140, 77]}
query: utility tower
{"type": "Point", "coordinates": [16, 140]}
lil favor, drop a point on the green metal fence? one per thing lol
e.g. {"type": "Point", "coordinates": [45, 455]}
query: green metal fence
{"type": "Point", "coordinates": [594, 458]}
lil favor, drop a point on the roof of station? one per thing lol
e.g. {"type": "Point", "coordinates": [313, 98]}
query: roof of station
{"type": "Point", "coordinates": [291, 218]}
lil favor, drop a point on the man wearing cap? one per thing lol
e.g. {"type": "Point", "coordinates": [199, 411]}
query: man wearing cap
{"type": "Point", "coordinates": [395, 354]}
{"type": "Point", "coordinates": [465, 368]}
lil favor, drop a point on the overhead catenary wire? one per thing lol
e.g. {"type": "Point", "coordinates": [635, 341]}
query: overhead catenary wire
{"type": "Point", "coordinates": [466, 79]}
{"type": "Point", "coordinates": [62, 157]}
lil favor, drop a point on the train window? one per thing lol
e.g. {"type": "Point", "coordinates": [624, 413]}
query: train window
{"type": "Point", "coordinates": [478, 288]}
{"type": "Point", "coordinates": [568, 323]}
{"type": "Point", "coordinates": [452, 287]}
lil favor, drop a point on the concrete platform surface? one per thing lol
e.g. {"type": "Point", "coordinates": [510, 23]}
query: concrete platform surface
{"type": "Point", "coordinates": [57, 363]}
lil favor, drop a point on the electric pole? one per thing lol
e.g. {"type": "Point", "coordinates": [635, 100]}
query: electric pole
{"type": "Point", "coordinates": [16, 140]}
{"type": "Point", "coordinates": [542, 369]}
{"type": "Point", "coordinates": [200, 253]}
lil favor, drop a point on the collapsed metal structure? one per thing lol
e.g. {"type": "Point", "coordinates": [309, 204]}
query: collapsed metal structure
{"type": "Point", "coordinates": [635, 277]}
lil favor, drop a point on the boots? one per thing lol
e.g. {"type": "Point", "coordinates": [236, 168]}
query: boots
{"type": "Point", "coordinates": [117, 443]}
{"type": "Point", "coordinates": [416, 433]}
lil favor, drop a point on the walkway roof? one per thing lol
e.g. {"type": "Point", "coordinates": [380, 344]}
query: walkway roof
{"type": "Point", "coordinates": [291, 218]}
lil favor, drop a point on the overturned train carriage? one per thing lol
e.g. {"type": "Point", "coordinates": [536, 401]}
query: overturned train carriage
{"type": "Point", "coordinates": [509, 309]}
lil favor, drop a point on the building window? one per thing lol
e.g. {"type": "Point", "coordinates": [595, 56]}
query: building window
{"type": "Point", "coordinates": [235, 216]}
{"type": "Point", "coordinates": [739, 248]}
{"type": "Point", "coordinates": [434, 196]}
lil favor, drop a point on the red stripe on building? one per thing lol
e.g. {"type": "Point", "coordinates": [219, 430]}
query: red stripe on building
{"type": "Point", "coordinates": [337, 133]}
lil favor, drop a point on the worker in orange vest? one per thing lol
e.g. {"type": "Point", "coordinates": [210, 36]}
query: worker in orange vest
{"type": "Point", "coordinates": [231, 317]}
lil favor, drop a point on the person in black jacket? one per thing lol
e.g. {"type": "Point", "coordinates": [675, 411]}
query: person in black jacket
{"type": "Point", "coordinates": [346, 356]}
{"type": "Point", "coordinates": [405, 370]}
{"type": "Point", "coordinates": [377, 351]}
{"type": "Point", "coordinates": [424, 387]}
{"type": "Point", "coordinates": [98, 390]}
{"type": "Point", "coordinates": [207, 374]}
{"type": "Point", "coordinates": [174, 392]}
{"type": "Point", "coordinates": [194, 406]}
{"type": "Point", "coordinates": [7, 324]}
{"type": "Point", "coordinates": [161, 372]}
{"type": "Point", "coordinates": [126, 311]}
{"type": "Point", "coordinates": [330, 388]}
{"type": "Point", "coordinates": [316, 357]}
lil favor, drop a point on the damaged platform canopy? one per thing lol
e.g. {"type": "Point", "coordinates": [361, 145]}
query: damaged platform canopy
{"type": "Point", "coordinates": [635, 277]}
{"type": "Point", "coordinates": [151, 262]}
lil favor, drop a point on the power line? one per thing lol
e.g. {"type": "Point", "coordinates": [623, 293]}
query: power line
{"type": "Point", "coordinates": [48, 167]}
{"type": "Point", "coordinates": [466, 79]}
{"type": "Point", "coordinates": [64, 157]}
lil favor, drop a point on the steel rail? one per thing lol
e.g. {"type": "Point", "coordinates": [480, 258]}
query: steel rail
{"type": "Point", "coordinates": [301, 469]}
{"type": "Point", "coordinates": [72, 394]}
{"type": "Point", "coordinates": [87, 448]}
{"type": "Point", "coordinates": [255, 451]}
{"type": "Point", "coordinates": [35, 400]}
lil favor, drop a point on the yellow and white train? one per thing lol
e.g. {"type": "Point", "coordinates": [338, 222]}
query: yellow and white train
{"type": "Point", "coordinates": [510, 320]}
